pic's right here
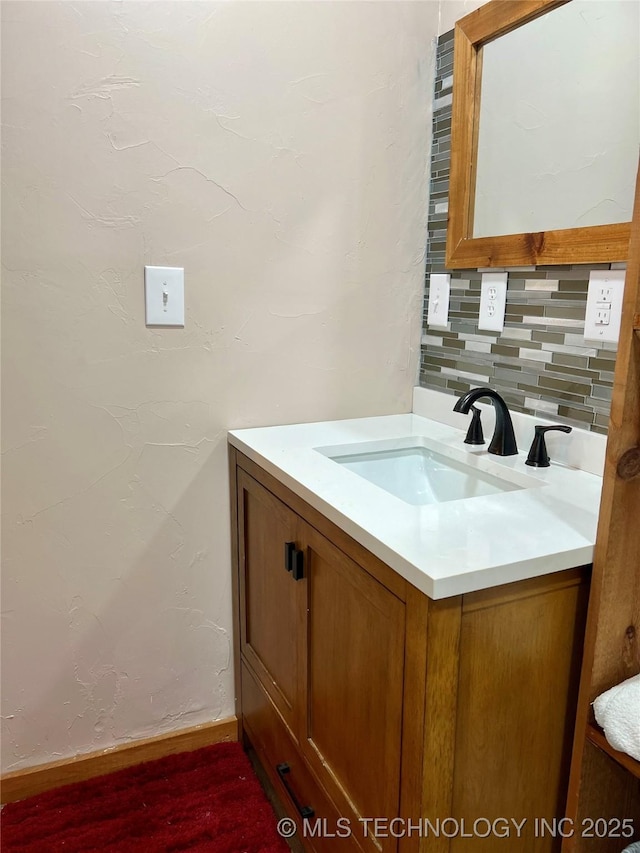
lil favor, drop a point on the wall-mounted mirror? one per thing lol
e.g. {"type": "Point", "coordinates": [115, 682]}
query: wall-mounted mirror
{"type": "Point", "coordinates": [545, 132]}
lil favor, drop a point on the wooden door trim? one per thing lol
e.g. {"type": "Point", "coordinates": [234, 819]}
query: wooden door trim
{"type": "Point", "coordinates": [612, 643]}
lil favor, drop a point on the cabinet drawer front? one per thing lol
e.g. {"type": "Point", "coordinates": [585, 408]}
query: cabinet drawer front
{"type": "Point", "coordinates": [325, 832]}
{"type": "Point", "coordinates": [271, 600]}
{"type": "Point", "coordinates": [354, 671]}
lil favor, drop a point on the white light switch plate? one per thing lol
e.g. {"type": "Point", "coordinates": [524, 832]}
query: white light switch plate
{"type": "Point", "coordinates": [164, 296]}
{"type": "Point", "coordinates": [493, 301]}
{"type": "Point", "coordinates": [438, 306]}
{"type": "Point", "coordinates": [604, 305]}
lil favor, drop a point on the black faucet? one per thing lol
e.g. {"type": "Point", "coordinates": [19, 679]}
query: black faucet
{"type": "Point", "coordinates": [503, 442]}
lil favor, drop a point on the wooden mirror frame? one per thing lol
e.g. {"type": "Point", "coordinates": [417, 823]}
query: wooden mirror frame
{"type": "Point", "coordinates": [593, 244]}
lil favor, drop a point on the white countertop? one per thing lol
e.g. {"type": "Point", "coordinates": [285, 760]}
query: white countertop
{"type": "Point", "coordinates": [447, 548]}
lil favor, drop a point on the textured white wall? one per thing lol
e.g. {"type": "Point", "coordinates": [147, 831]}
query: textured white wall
{"type": "Point", "coordinates": [452, 10]}
{"type": "Point", "coordinates": [277, 151]}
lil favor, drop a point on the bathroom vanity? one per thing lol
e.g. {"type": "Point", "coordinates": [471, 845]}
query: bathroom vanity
{"type": "Point", "coordinates": [408, 661]}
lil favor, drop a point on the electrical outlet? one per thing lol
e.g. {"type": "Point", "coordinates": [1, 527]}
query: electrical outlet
{"type": "Point", "coordinates": [438, 306]}
{"type": "Point", "coordinates": [604, 305]}
{"type": "Point", "coordinates": [493, 301]}
{"type": "Point", "coordinates": [604, 293]}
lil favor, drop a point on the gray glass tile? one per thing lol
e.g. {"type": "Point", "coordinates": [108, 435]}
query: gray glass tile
{"type": "Point", "coordinates": [542, 343]}
{"type": "Point", "coordinates": [576, 414]}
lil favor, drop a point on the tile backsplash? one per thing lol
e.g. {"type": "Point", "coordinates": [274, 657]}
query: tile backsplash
{"type": "Point", "coordinates": [540, 363]}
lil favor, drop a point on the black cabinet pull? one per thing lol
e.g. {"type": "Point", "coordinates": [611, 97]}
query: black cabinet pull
{"type": "Point", "coordinates": [294, 560]}
{"type": "Point", "coordinates": [289, 551]}
{"type": "Point", "coordinates": [283, 771]}
{"type": "Point", "coordinates": [297, 568]}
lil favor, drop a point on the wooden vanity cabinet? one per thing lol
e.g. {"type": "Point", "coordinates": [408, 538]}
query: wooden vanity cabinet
{"type": "Point", "coordinates": [324, 640]}
{"type": "Point", "coordinates": [364, 699]}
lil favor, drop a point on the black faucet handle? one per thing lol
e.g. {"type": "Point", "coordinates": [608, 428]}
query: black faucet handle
{"type": "Point", "coordinates": [474, 433]}
{"type": "Point", "coordinates": [538, 456]}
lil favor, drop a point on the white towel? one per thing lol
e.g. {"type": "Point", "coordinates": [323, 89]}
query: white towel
{"type": "Point", "coordinates": [618, 712]}
{"type": "Point", "coordinates": [632, 848]}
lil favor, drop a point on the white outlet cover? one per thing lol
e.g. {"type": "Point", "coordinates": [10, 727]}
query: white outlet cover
{"type": "Point", "coordinates": [438, 305]}
{"type": "Point", "coordinates": [164, 296]}
{"type": "Point", "coordinates": [612, 282]}
{"type": "Point", "coordinates": [493, 301]}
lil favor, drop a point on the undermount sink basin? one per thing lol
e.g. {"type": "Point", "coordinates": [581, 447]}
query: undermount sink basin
{"type": "Point", "coordinates": [420, 475]}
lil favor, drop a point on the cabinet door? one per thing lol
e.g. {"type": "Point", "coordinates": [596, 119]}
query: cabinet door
{"type": "Point", "coordinates": [271, 600]}
{"type": "Point", "coordinates": [354, 671]}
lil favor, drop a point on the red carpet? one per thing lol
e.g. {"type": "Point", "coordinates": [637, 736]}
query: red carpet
{"type": "Point", "coordinates": [207, 800]}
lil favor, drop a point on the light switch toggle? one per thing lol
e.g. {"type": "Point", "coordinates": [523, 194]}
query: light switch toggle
{"type": "Point", "coordinates": [164, 296]}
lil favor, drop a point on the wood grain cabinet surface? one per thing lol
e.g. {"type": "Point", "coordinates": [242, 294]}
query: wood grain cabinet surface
{"type": "Point", "coordinates": [394, 722]}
